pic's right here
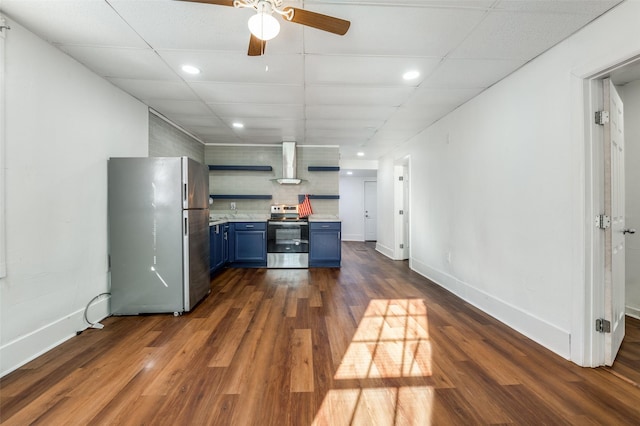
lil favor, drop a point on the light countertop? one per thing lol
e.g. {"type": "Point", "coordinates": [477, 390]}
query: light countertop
{"type": "Point", "coordinates": [217, 219]}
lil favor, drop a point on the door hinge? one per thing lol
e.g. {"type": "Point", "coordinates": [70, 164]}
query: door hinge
{"type": "Point", "coordinates": [603, 221]}
{"type": "Point", "coordinates": [603, 326]}
{"type": "Point", "coordinates": [602, 117]}
{"type": "Point", "coordinates": [400, 178]}
{"type": "Point", "coordinates": [401, 246]}
{"type": "Point", "coordinates": [401, 212]}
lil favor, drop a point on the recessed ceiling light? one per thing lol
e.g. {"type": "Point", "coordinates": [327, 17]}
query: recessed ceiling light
{"type": "Point", "coordinates": [238, 125]}
{"type": "Point", "coordinates": [360, 154]}
{"type": "Point", "coordinates": [411, 75]}
{"type": "Point", "coordinates": [190, 69]}
{"type": "Point", "coordinates": [349, 173]}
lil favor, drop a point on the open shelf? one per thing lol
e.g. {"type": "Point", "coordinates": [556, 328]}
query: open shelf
{"type": "Point", "coordinates": [246, 168]}
{"type": "Point", "coordinates": [318, 197]}
{"type": "Point", "coordinates": [240, 197]}
{"type": "Point", "coordinates": [323, 168]}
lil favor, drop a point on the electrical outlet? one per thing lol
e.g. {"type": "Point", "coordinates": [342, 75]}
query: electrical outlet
{"type": "Point", "coordinates": [233, 205]}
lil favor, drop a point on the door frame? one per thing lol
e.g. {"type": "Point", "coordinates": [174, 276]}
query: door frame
{"type": "Point", "coordinates": [589, 298]}
{"type": "Point", "coordinates": [401, 202]}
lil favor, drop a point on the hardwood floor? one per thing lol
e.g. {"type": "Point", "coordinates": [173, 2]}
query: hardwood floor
{"type": "Point", "coordinates": [627, 363]}
{"type": "Point", "coordinates": [372, 343]}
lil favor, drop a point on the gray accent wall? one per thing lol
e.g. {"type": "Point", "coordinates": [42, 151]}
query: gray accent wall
{"type": "Point", "coordinates": [260, 183]}
{"type": "Point", "coordinates": [166, 140]}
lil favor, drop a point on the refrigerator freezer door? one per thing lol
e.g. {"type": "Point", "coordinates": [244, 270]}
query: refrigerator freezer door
{"type": "Point", "coordinates": [196, 188]}
{"type": "Point", "coordinates": [145, 235]}
{"type": "Point", "coordinates": [196, 256]}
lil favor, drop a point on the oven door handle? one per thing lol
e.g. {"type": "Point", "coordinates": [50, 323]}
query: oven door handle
{"type": "Point", "coordinates": [289, 223]}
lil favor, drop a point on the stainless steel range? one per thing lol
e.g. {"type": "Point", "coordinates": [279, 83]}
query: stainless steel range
{"type": "Point", "coordinates": [287, 238]}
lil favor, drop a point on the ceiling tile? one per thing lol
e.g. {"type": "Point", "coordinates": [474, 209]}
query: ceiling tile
{"type": "Point", "coordinates": [257, 124]}
{"type": "Point", "coordinates": [193, 120]}
{"type": "Point", "coordinates": [155, 89]}
{"type": "Point", "coordinates": [344, 124]}
{"type": "Point", "coordinates": [588, 7]}
{"type": "Point", "coordinates": [270, 136]}
{"type": "Point", "coordinates": [451, 98]}
{"type": "Point", "coordinates": [471, 73]}
{"type": "Point", "coordinates": [357, 95]}
{"type": "Point", "coordinates": [340, 133]}
{"type": "Point", "coordinates": [400, 31]}
{"type": "Point", "coordinates": [515, 35]}
{"type": "Point", "coordinates": [141, 64]}
{"type": "Point", "coordinates": [241, 111]}
{"type": "Point", "coordinates": [73, 22]}
{"type": "Point", "coordinates": [365, 70]}
{"type": "Point", "coordinates": [351, 112]}
{"type": "Point", "coordinates": [249, 93]}
{"type": "Point", "coordinates": [169, 108]}
{"type": "Point", "coordinates": [237, 67]}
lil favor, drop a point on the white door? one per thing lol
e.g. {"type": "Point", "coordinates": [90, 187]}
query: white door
{"type": "Point", "coordinates": [614, 198]}
{"type": "Point", "coordinates": [370, 210]}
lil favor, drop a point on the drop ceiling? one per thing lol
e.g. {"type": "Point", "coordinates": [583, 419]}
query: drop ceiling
{"type": "Point", "coordinates": [311, 86]}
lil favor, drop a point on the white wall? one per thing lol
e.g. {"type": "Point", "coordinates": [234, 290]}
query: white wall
{"type": "Point", "coordinates": [630, 94]}
{"type": "Point", "coordinates": [352, 206]}
{"type": "Point", "coordinates": [62, 124]}
{"type": "Point", "coordinates": [500, 184]}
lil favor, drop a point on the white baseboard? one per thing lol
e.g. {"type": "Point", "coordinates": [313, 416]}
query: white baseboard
{"type": "Point", "coordinates": [632, 312]}
{"type": "Point", "coordinates": [540, 331]}
{"type": "Point", "coordinates": [385, 250]}
{"type": "Point", "coordinates": [20, 351]}
{"type": "Point", "coordinates": [352, 237]}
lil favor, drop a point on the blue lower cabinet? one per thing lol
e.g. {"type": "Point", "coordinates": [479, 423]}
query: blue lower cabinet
{"type": "Point", "coordinates": [324, 244]}
{"type": "Point", "coordinates": [248, 244]}
{"type": "Point", "coordinates": [217, 248]}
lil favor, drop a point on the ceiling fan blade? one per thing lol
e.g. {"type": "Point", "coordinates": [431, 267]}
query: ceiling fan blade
{"type": "Point", "coordinates": [218, 2]}
{"type": "Point", "coordinates": [256, 46]}
{"type": "Point", "coordinates": [319, 21]}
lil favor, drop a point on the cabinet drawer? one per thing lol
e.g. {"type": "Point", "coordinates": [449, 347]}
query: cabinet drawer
{"type": "Point", "coordinates": [250, 226]}
{"type": "Point", "coordinates": [324, 226]}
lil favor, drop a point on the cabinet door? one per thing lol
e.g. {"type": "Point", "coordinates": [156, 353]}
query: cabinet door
{"type": "Point", "coordinates": [212, 249]}
{"type": "Point", "coordinates": [250, 246]}
{"type": "Point", "coordinates": [219, 240]}
{"type": "Point", "coordinates": [324, 245]}
{"type": "Point", "coordinates": [225, 245]}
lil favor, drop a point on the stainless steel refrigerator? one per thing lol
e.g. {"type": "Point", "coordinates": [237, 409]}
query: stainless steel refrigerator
{"type": "Point", "coordinates": [158, 234]}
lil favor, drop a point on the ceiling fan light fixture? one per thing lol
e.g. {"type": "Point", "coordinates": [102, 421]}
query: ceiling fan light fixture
{"type": "Point", "coordinates": [264, 26]}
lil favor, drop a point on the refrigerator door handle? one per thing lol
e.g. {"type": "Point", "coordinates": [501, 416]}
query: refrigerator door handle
{"type": "Point", "coordinates": [186, 227]}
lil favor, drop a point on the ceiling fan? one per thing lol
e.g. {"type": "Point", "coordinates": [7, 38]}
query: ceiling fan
{"type": "Point", "coordinates": [264, 26]}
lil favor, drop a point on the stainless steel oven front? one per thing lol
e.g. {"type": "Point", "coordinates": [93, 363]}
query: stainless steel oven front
{"type": "Point", "coordinates": [288, 244]}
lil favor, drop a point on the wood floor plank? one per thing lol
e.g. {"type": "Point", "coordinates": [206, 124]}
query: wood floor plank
{"type": "Point", "coordinates": [301, 361]}
{"type": "Point", "coordinates": [370, 343]}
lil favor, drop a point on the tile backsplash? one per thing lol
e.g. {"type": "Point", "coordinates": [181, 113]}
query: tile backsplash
{"type": "Point", "coordinates": [241, 182]}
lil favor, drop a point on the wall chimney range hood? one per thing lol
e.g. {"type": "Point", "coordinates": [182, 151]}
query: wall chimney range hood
{"type": "Point", "coordinates": [289, 167]}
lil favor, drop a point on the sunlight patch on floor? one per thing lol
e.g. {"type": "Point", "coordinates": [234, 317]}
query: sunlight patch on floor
{"type": "Point", "coordinates": [376, 406]}
{"type": "Point", "coordinates": [392, 341]}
